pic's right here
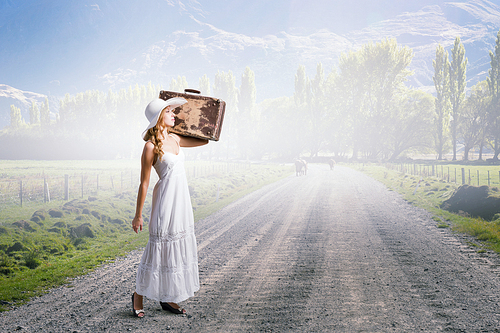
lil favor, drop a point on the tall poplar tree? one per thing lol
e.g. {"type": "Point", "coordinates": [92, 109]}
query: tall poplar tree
{"type": "Point", "coordinates": [493, 80]}
{"type": "Point", "coordinates": [16, 119]}
{"type": "Point", "coordinates": [441, 82]}
{"type": "Point", "coordinates": [204, 85]}
{"type": "Point", "coordinates": [248, 116]}
{"type": "Point", "coordinates": [45, 113]}
{"type": "Point", "coordinates": [457, 88]}
{"type": "Point", "coordinates": [34, 114]}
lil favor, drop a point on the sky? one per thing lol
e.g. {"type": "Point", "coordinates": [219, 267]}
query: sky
{"type": "Point", "coordinates": [57, 46]}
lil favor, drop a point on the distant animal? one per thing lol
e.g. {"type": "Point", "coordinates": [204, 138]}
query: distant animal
{"type": "Point", "coordinates": [300, 167]}
{"type": "Point", "coordinates": [332, 163]}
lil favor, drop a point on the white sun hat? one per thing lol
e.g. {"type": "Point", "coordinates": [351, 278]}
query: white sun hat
{"type": "Point", "coordinates": [155, 107]}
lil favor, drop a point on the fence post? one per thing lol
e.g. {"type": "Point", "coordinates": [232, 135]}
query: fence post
{"type": "Point", "coordinates": [66, 187]}
{"type": "Point", "coordinates": [463, 176]}
{"type": "Point", "coordinates": [44, 190]}
{"type": "Point", "coordinates": [21, 191]}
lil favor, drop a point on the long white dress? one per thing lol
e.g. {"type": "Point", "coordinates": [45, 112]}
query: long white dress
{"type": "Point", "coordinates": [168, 271]}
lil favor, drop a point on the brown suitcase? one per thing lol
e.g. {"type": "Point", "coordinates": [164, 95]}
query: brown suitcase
{"type": "Point", "coordinates": [201, 117]}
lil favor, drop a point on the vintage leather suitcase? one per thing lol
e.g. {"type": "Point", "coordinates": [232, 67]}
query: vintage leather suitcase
{"type": "Point", "coordinates": [201, 117]}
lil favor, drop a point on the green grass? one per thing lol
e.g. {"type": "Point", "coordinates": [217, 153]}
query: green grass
{"type": "Point", "coordinates": [431, 192]}
{"type": "Point", "coordinates": [51, 252]}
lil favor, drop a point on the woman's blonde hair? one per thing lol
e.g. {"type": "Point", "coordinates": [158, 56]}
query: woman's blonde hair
{"type": "Point", "coordinates": [155, 135]}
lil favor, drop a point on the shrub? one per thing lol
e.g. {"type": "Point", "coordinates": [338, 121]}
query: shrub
{"type": "Point", "coordinates": [31, 259]}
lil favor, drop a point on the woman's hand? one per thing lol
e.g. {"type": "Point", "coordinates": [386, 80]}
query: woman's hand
{"type": "Point", "coordinates": [137, 223]}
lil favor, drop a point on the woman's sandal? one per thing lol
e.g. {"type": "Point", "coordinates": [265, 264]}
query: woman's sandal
{"type": "Point", "coordinates": [137, 313]}
{"type": "Point", "coordinates": [167, 307]}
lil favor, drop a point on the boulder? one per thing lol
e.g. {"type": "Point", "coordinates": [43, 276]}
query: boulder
{"type": "Point", "coordinates": [38, 216]}
{"type": "Point", "coordinates": [60, 224]}
{"type": "Point", "coordinates": [55, 213]}
{"type": "Point", "coordinates": [82, 230]}
{"type": "Point", "coordinates": [477, 201]}
{"type": "Point", "coordinates": [24, 225]}
{"type": "Point", "coordinates": [16, 247]}
{"type": "Point", "coordinates": [118, 221]}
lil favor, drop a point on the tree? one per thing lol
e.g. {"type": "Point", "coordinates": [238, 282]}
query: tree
{"type": "Point", "coordinates": [225, 88]}
{"type": "Point", "coordinates": [493, 80]}
{"type": "Point", "coordinates": [441, 83]}
{"type": "Point", "coordinates": [45, 113]}
{"type": "Point", "coordinates": [34, 114]}
{"type": "Point", "coordinates": [411, 127]}
{"type": "Point", "coordinates": [248, 112]}
{"type": "Point", "coordinates": [349, 87]}
{"type": "Point", "coordinates": [457, 88]}
{"type": "Point", "coordinates": [204, 85]}
{"type": "Point", "coordinates": [385, 65]}
{"type": "Point", "coordinates": [317, 109]}
{"type": "Point", "coordinates": [178, 85]}
{"type": "Point", "coordinates": [16, 119]}
{"type": "Point", "coordinates": [473, 125]}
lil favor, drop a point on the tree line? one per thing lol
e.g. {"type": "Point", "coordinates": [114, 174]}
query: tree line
{"type": "Point", "coordinates": [361, 109]}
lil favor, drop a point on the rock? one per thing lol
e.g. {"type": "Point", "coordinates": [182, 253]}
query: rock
{"type": "Point", "coordinates": [55, 230]}
{"type": "Point", "coordinates": [60, 224]}
{"type": "Point", "coordinates": [86, 211]}
{"type": "Point", "coordinates": [83, 230]}
{"type": "Point", "coordinates": [97, 215]}
{"type": "Point", "coordinates": [24, 225]}
{"type": "Point", "coordinates": [117, 221]}
{"type": "Point", "coordinates": [478, 201]}
{"type": "Point", "coordinates": [56, 213]}
{"type": "Point", "coordinates": [92, 199]}
{"type": "Point", "coordinates": [16, 247]}
{"type": "Point", "coordinates": [38, 216]}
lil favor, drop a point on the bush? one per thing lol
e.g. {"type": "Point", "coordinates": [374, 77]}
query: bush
{"type": "Point", "coordinates": [31, 259]}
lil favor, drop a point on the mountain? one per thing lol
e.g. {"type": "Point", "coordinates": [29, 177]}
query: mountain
{"type": "Point", "coordinates": [275, 58]}
{"type": "Point", "coordinates": [21, 99]}
{"type": "Point", "coordinates": [57, 46]}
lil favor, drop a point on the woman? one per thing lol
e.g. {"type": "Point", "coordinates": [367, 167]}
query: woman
{"type": "Point", "coordinates": [168, 271]}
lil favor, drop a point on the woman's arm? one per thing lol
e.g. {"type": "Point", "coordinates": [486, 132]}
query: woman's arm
{"type": "Point", "coordinates": [146, 164]}
{"type": "Point", "coordinates": [187, 141]}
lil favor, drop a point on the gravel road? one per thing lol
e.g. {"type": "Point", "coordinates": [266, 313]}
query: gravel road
{"type": "Point", "coordinates": [333, 251]}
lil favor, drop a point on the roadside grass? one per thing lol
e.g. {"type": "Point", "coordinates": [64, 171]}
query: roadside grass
{"type": "Point", "coordinates": [429, 193]}
{"type": "Point", "coordinates": [37, 255]}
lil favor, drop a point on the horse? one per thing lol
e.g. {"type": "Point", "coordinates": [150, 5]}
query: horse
{"type": "Point", "coordinates": [332, 163]}
{"type": "Point", "coordinates": [300, 167]}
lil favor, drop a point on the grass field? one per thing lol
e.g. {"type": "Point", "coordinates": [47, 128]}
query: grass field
{"type": "Point", "coordinates": [42, 244]}
{"type": "Point", "coordinates": [428, 192]}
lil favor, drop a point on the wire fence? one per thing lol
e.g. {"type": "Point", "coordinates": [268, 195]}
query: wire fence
{"type": "Point", "coordinates": [38, 188]}
{"type": "Point", "coordinates": [466, 175]}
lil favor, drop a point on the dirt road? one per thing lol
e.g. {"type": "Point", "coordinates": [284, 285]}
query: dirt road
{"type": "Point", "coordinates": [333, 251]}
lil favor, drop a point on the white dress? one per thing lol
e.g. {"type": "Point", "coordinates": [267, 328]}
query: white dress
{"type": "Point", "coordinates": [168, 271]}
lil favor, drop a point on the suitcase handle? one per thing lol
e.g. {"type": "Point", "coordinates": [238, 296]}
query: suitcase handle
{"type": "Point", "coordinates": [193, 91]}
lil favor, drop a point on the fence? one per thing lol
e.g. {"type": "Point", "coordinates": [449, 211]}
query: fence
{"type": "Point", "coordinates": [452, 174]}
{"type": "Point", "coordinates": [44, 188]}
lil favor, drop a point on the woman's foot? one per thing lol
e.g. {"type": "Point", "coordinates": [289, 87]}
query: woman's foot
{"type": "Point", "coordinates": [137, 307]}
{"type": "Point", "coordinates": [172, 307]}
